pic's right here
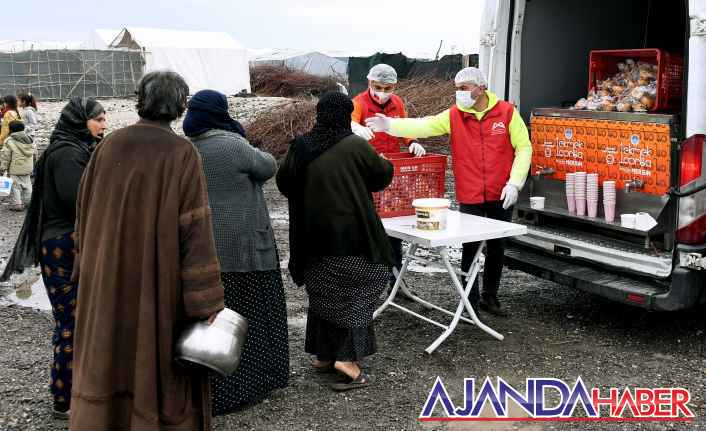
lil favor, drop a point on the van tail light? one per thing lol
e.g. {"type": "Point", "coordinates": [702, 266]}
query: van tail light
{"type": "Point", "coordinates": [692, 151]}
{"type": "Point", "coordinates": [692, 211]}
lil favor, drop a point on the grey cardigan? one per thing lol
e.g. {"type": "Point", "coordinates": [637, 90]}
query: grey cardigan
{"type": "Point", "coordinates": [235, 172]}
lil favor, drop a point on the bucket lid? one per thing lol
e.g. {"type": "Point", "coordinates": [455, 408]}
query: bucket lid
{"type": "Point", "coordinates": [431, 203]}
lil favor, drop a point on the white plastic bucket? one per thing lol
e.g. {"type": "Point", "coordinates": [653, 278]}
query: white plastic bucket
{"type": "Point", "coordinates": [431, 213]}
{"type": "Point", "coordinates": [5, 186]}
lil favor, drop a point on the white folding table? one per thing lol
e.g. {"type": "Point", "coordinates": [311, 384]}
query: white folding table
{"type": "Point", "coordinates": [460, 228]}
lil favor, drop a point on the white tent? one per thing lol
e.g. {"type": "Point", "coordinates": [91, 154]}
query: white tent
{"type": "Point", "coordinates": [312, 62]}
{"type": "Point", "coordinates": [206, 60]}
{"type": "Point", "coordinates": [101, 38]}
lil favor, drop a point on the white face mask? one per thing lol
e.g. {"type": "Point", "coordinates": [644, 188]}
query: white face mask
{"type": "Point", "coordinates": [465, 99]}
{"type": "Point", "coordinates": [381, 96]}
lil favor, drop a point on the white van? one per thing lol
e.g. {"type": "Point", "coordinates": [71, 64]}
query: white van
{"type": "Point", "coordinates": [536, 55]}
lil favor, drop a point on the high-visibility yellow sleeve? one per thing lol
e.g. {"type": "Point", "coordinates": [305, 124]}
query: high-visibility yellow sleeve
{"type": "Point", "coordinates": [435, 125]}
{"type": "Point", "coordinates": [519, 137]}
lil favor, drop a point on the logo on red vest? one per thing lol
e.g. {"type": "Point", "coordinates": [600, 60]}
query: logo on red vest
{"type": "Point", "coordinates": [498, 128]}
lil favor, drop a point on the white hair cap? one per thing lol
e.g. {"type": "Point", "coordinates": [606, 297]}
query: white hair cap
{"type": "Point", "coordinates": [383, 73]}
{"type": "Point", "coordinates": [471, 75]}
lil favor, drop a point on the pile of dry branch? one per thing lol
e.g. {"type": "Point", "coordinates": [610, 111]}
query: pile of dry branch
{"type": "Point", "coordinates": [425, 96]}
{"type": "Point", "coordinates": [283, 82]}
{"type": "Point", "coordinates": [273, 131]}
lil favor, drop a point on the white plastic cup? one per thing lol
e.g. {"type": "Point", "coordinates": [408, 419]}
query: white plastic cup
{"type": "Point", "coordinates": [571, 203]}
{"type": "Point", "coordinates": [537, 202]}
{"type": "Point", "coordinates": [609, 210]}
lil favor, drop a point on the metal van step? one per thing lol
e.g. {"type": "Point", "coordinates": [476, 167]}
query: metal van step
{"type": "Point", "coordinates": [620, 255]}
{"type": "Point", "coordinates": [616, 287]}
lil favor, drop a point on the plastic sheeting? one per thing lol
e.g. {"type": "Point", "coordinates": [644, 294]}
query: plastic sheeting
{"type": "Point", "coordinates": [445, 68]}
{"type": "Point", "coordinates": [311, 62]}
{"type": "Point", "coordinates": [206, 60]}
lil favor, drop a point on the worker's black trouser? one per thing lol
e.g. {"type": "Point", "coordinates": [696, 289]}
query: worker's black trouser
{"type": "Point", "coordinates": [495, 250]}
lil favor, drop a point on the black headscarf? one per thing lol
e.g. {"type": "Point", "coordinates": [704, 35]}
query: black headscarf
{"type": "Point", "coordinates": [208, 110]}
{"type": "Point", "coordinates": [333, 123]}
{"type": "Point", "coordinates": [71, 131]}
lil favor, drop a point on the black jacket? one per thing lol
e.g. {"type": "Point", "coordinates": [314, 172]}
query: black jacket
{"type": "Point", "coordinates": [63, 170]}
{"type": "Point", "coordinates": [331, 210]}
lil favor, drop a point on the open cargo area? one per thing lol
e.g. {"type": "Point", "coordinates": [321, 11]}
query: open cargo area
{"type": "Point", "coordinates": [604, 91]}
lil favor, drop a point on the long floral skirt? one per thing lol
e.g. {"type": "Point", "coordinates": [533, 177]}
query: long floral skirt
{"type": "Point", "coordinates": [57, 262]}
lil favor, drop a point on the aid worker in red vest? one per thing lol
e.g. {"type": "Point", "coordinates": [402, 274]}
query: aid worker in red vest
{"type": "Point", "coordinates": [491, 155]}
{"type": "Point", "coordinates": [379, 98]}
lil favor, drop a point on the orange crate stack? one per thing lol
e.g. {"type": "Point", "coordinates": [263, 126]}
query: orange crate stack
{"type": "Point", "coordinates": [560, 144]}
{"type": "Point", "coordinates": [616, 150]}
{"type": "Point", "coordinates": [414, 178]}
{"type": "Point", "coordinates": [538, 135]}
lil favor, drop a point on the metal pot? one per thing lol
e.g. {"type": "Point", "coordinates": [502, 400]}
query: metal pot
{"type": "Point", "coordinates": [217, 346]}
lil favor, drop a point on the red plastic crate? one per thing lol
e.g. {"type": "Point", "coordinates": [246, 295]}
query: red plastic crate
{"type": "Point", "coordinates": [414, 177]}
{"type": "Point", "coordinates": [670, 72]}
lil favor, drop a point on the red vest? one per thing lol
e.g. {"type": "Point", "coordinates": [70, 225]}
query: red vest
{"type": "Point", "coordinates": [382, 142]}
{"type": "Point", "coordinates": [482, 153]}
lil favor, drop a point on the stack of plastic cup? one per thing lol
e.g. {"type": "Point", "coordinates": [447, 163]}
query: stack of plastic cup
{"type": "Point", "coordinates": [580, 193]}
{"type": "Point", "coordinates": [570, 194]}
{"type": "Point", "coordinates": [609, 200]}
{"type": "Point", "coordinates": [592, 194]}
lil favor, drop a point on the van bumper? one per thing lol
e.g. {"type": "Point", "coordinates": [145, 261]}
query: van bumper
{"type": "Point", "coordinates": [684, 289]}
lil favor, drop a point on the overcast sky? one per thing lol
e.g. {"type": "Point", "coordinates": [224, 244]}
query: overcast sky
{"type": "Point", "coordinates": [385, 25]}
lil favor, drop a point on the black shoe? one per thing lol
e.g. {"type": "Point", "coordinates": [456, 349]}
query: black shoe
{"type": "Point", "coordinates": [61, 411]}
{"type": "Point", "coordinates": [492, 305]}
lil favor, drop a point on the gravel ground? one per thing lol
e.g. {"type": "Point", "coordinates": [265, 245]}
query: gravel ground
{"type": "Point", "coordinates": [121, 112]}
{"type": "Point", "coordinates": [552, 332]}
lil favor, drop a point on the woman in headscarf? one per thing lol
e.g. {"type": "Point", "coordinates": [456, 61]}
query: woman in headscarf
{"type": "Point", "coordinates": [235, 172]}
{"type": "Point", "coordinates": [339, 249]}
{"type": "Point", "coordinates": [47, 236]}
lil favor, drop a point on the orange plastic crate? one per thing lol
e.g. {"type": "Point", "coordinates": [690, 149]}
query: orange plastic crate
{"type": "Point", "coordinates": [616, 150]}
{"type": "Point", "coordinates": [414, 178]}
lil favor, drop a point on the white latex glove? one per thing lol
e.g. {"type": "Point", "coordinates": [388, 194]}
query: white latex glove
{"type": "Point", "coordinates": [416, 149]}
{"type": "Point", "coordinates": [379, 123]}
{"type": "Point", "coordinates": [362, 131]}
{"type": "Point", "coordinates": [509, 195]}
